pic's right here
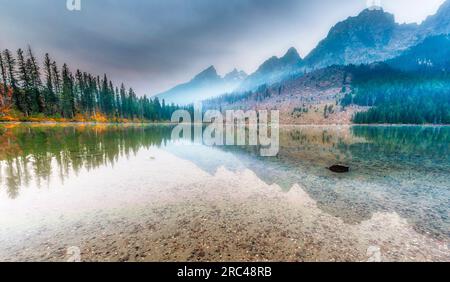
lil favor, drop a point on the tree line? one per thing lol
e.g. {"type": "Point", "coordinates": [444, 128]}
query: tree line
{"type": "Point", "coordinates": [30, 89]}
{"type": "Point", "coordinates": [399, 97]}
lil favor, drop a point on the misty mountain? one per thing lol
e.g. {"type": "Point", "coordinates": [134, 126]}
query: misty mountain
{"type": "Point", "coordinates": [438, 23]}
{"type": "Point", "coordinates": [235, 76]}
{"type": "Point", "coordinates": [371, 36]}
{"type": "Point", "coordinates": [205, 85]}
{"type": "Point", "coordinates": [374, 36]}
{"type": "Point", "coordinates": [433, 54]}
{"type": "Point", "coordinates": [274, 70]}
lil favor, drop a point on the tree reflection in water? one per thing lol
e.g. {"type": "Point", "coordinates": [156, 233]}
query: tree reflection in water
{"type": "Point", "coordinates": [32, 152]}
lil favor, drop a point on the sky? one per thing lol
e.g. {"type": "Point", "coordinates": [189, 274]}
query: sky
{"type": "Point", "coordinates": [152, 45]}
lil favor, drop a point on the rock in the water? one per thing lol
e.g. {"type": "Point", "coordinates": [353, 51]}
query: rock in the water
{"type": "Point", "coordinates": [339, 168]}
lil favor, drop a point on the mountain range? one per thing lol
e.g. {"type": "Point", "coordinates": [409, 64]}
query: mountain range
{"type": "Point", "coordinates": [207, 84]}
{"type": "Point", "coordinates": [374, 36]}
{"type": "Point", "coordinates": [371, 36]}
{"type": "Point", "coordinates": [274, 70]}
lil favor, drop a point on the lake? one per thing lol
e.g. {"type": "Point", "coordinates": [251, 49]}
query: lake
{"type": "Point", "coordinates": [130, 193]}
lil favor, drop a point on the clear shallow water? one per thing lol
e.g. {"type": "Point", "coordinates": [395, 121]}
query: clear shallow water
{"type": "Point", "coordinates": [393, 169]}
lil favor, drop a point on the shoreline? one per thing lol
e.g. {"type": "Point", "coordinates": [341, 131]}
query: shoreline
{"type": "Point", "coordinates": [85, 123]}
{"type": "Point", "coordinates": [172, 123]}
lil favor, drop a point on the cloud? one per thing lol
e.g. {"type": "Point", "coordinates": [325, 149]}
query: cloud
{"type": "Point", "coordinates": [155, 44]}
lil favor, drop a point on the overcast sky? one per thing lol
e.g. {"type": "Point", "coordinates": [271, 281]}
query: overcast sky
{"type": "Point", "coordinates": [152, 45]}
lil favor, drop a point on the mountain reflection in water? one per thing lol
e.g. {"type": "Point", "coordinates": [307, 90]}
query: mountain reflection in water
{"type": "Point", "coordinates": [403, 169]}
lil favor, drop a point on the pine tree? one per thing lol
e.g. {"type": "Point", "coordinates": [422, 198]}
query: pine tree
{"type": "Point", "coordinates": [123, 102]}
{"type": "Point", "coordinates": [79, 92]}
{"type": "Point", "coordinates": [24, 82]}
{"type": "Point", "coordinates": [49, 92]}
{"type": "Point", "coordinates": [67, 93]}
{"type": "Point", "coordinates": [10, 64]}
{"type": "Point", "coordinates": [110, 100]}
{"type": "Point", "coordinates": [3, 71]}
{"type": "Point", "coordinates": [57, 83]}
{"type": "Point", "coordinates": [90, 94]}
{"type": "Point", "coordinates": [36, 83]}
{"type": "Point", "coordinates": [131, 103]}
{"type": "Point", "coordinates": [117, 105]}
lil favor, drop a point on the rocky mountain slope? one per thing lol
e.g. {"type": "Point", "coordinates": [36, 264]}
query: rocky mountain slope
{"type": "Point", "coordinates": [371, 36]}
{"type": "Point", "coordinates": [433, 54]}
{"type": "Point", "coordinates": [374, 36]}
{"type": "Point", "coordinates": [307, 99]}
{"type": "Point", "coordinates": [274, 70]}
{"type": "Point", "coordinates": [438, 23]}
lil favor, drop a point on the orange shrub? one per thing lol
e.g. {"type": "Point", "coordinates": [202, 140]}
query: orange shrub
{"type": "Point", "coordinates": [99, 117]}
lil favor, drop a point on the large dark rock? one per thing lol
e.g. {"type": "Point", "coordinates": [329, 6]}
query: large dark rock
{"type": "Point", "coordinates": [339, 168]}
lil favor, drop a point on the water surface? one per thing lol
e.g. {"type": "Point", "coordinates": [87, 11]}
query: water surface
{"type": "Point", "coordinates": [49, 170]}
